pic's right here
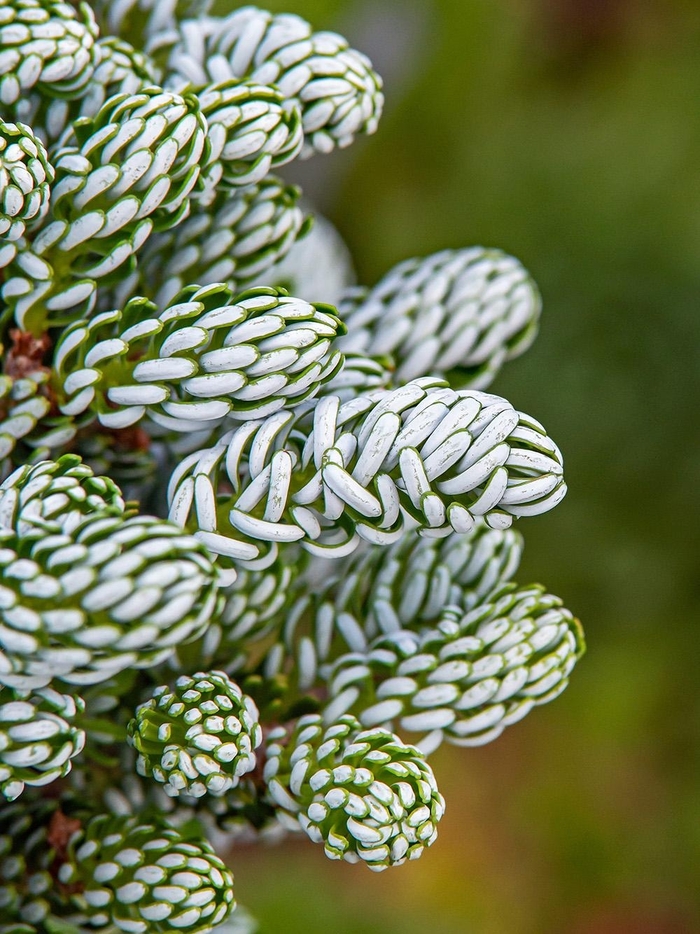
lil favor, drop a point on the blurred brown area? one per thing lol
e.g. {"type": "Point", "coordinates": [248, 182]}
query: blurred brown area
{"type": "Point", "coordinates": [566, 132]}
{"type": "Point", "coordinates": [592, 23]}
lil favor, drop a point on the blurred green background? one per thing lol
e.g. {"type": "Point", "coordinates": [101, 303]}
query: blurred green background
{"type": "Point", "coordinates": [566, 132]}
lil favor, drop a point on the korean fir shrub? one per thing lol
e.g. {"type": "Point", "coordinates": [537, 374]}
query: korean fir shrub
{"type": "Point", "coordinates": [257, 553]}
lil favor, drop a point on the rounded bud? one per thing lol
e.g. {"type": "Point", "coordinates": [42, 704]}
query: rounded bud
{"type": "Point", "coordinates": [119, 69]}
{"type": "Point", "coordinates": [460, 314]}
{"type": "Point", "coordinates": [64, 491]}
{"type": "Point", "coordinates": [145, 877]}
{"type": "Point", "coordinates": [208, 355]}
{"type": "Point", "coordinates": [364, 794]}
{"type": "Point", "coordinates": [422, 456]}
{"type": "Point", "coordinates": [47, 44]}
{"type": "Point", "coordinates": [38, 737]}
{"type": "Point", "coordinates": [84, 597]}
{"type": "Point", "coordinates": [25, 176]}
{"type": "Point", "coordinates": [334, 86]}
{"type": "Point", "coordinates": [250, 131]}
{"type": "Point", "coordinates": [198, 738]}
{"type": "Point", "coordinates": [465, 678]}
{"type": "Point", "coordinates": [103, 167]}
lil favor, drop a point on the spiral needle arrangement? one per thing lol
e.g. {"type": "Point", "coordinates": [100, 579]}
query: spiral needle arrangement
{"type": "Point", "coordinates": [256, 550]}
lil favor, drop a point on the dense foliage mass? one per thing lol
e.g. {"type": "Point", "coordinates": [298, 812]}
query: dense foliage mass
{"type": "Point", "coordinates": [245, 536]}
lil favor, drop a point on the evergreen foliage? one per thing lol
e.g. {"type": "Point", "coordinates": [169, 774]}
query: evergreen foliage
{"type": "Point", "coordinates": [249, 544]}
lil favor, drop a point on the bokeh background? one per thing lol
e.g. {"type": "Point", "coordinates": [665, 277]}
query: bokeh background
{"type": "Point", "coordinates": [566, 132]}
